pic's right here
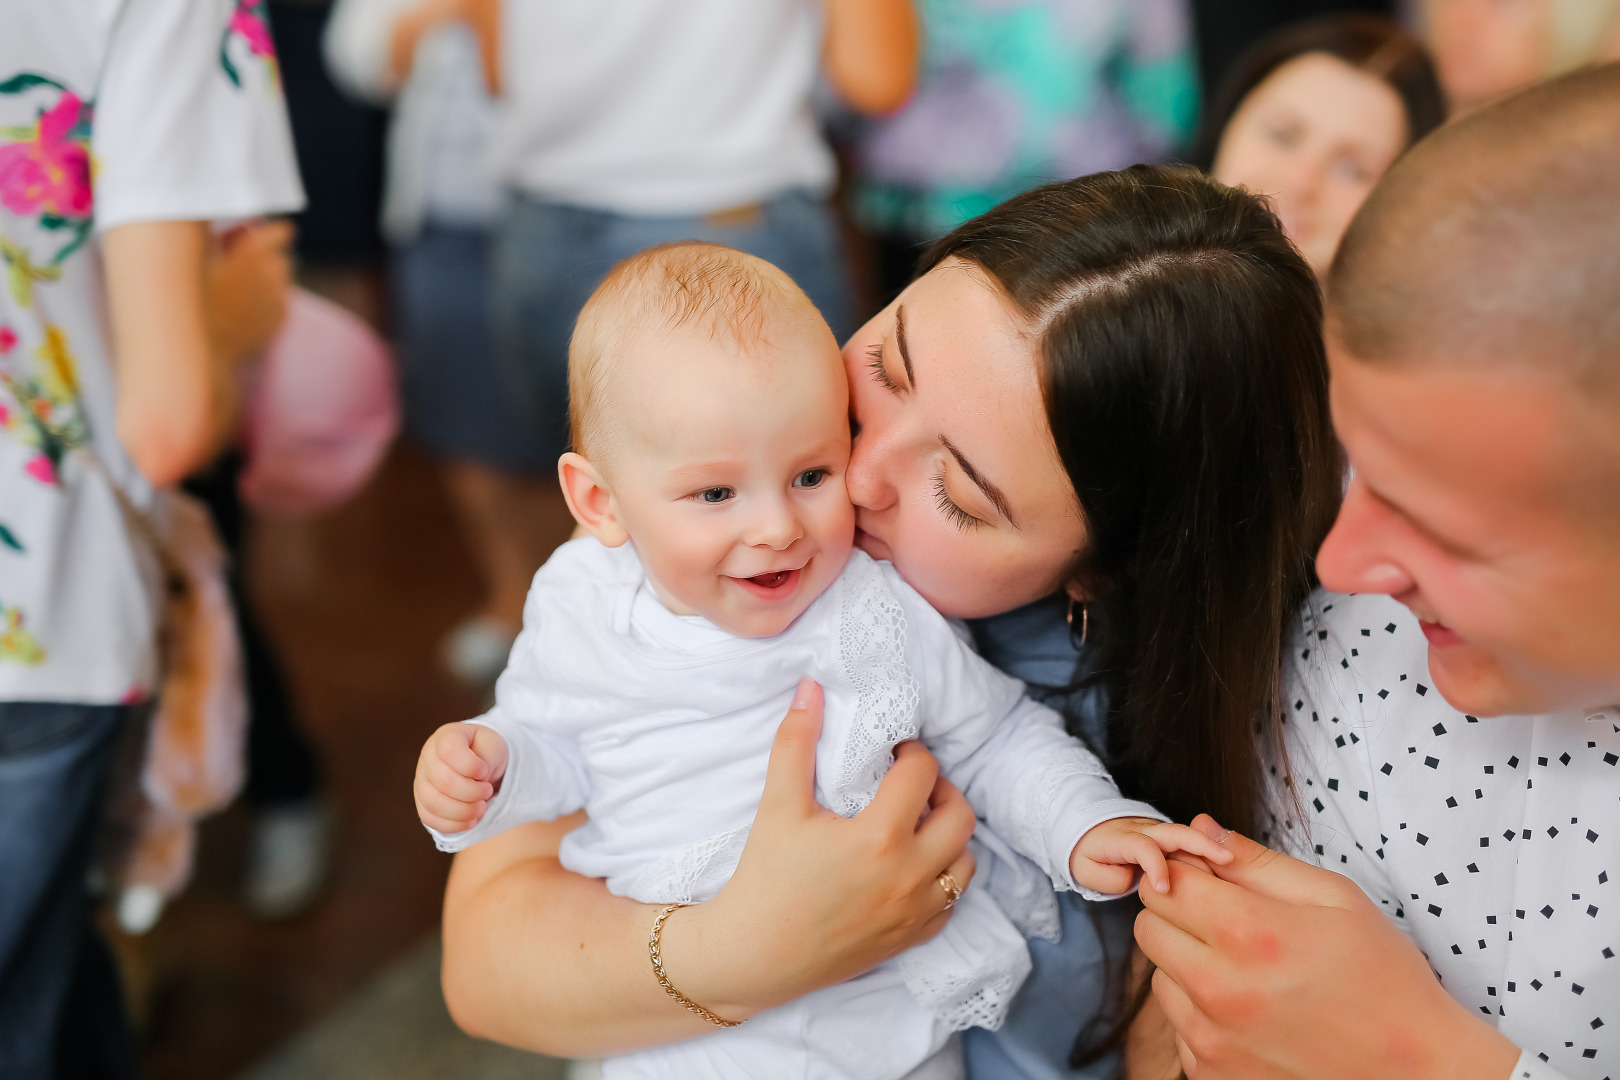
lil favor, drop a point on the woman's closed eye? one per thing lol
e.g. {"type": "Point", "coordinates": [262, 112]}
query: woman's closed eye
{"type": "Point", "coordinates": [879, 371]}
{"type": "Point", "coordinates": [948, 506]}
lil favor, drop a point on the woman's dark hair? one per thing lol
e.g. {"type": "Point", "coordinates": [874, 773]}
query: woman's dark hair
{"type": "Point", "coordinates": [1180, 337]}
{"type": "Point", "coordinates": [1371, 44]}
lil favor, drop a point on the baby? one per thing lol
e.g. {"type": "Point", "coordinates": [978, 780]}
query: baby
{"type": "Point", "coordinates": [658, 655]}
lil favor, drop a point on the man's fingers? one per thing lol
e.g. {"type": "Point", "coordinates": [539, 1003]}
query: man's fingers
{"type": "Point", "coordinates": [1271, 873]}
{"type": "Point", "coordinates": [790, 777]}
{"type": "Point", "coordinates": [1162, 941]}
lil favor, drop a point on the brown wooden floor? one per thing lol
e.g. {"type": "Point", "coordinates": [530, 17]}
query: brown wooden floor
{"type": "Point", "coordinates": [357, 601]}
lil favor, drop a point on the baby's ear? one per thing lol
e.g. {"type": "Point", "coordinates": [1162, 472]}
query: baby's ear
{"type": "Point", "coordinates": [590, 500]}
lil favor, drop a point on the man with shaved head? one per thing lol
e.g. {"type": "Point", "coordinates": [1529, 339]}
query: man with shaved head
{"type": "Point", "coordinates": [1474, 340]}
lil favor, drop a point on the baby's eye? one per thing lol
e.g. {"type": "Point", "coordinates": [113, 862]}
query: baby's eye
{"type": "Point", "coordinates": [810, 478]}
{"type": "Point", "coordinates": [713, 496]}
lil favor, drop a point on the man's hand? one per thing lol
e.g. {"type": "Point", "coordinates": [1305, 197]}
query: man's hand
{"type": "Point", "coordinates": [459, 771]}
{"type": "Point", "coordinates": [1271, 969]}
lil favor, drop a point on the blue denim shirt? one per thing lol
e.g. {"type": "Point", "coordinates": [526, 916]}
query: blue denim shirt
{"type": "Point", "coordinates": [1068, 985]}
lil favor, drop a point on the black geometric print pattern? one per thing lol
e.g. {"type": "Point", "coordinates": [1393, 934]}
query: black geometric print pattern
{"type": "Point", "coordinates": [1494, 843]}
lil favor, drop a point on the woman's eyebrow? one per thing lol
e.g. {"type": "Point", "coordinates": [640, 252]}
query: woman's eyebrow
{"type": "Point", "coordinates": [900, 339]}
{"type": "Point", "coordinates": [991, 492]}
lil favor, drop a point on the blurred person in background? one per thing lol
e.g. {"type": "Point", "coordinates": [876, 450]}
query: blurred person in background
{"type": "Point", "coordinates": [645, 121]}
{"type": "Point", "coordinates": [438, 213]}
{"type": "Point", "coordinates": [1013, 94]}
{"type": "Point", "coordinates": [1314, 115]}
{"type": "Point", "coordinates": [122, 324]}
{"type": "Point", "coordinates": [1487, 48]}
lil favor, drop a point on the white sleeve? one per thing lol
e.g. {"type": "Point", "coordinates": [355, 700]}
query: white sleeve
{"type": "Point", "coordinates": [1028, 779]}
{"type": "Point", "coordinates": [190, 124]}
{"type": "Point", "coordinates": [545, 779]}
{"type": "Point", "coordinates": [1530, 1067]}
{"type": "Point", "coordinates": [356, 45]}
{"type": "Point", "coordinates": [546, 776]}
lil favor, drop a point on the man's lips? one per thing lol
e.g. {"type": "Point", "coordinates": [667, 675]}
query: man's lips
{"type": "Point", "coordinates": [1439, 635]}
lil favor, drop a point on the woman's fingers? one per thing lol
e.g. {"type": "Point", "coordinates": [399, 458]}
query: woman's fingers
{"type": "Point", "coordinates": [942, 837]}
{"type": "Point", "coordinates": [907, 790]}
{"type": "Point", "coordinates": [790, 777]}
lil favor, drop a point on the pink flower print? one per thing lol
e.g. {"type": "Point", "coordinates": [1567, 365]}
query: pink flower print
{"type": "Point", "coordinates": [40, 468]}
{"type": "Point", "coordinates": [8, 339]}
{"type": "Point", "coordinates": [49, 173]}
{"type": "Point", "coordinates": [249, 25]}
{"type": "Point", "coordinates": [247, 22]}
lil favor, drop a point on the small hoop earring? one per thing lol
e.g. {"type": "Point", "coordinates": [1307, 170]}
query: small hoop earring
{"type": "Point", "coordinates": [1085, 619]}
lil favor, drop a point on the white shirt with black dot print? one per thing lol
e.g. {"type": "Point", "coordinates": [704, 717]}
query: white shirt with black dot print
{"type": "Point", "coordinates": [1494, 843]}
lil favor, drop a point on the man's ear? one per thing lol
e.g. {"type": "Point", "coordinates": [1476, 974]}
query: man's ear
{"type": "Point", "coordinates": [590, 500]}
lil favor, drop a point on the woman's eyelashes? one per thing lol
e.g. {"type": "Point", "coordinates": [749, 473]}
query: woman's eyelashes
{"type": "Point", "coordinates": [947, 506]}
{"type": "Point", "coordinates": [879, 371]}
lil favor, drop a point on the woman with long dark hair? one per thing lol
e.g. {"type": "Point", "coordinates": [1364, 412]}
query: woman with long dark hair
{"type": "Point", "coordinates": [1095, 426]}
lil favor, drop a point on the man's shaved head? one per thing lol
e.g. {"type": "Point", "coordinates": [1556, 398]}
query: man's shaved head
{"type": "Point", "coordinates": [1496, 241]}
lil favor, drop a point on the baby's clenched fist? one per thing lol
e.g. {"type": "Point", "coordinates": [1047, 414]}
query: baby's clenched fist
{"type": "Point", "coordinates": [458, 773]}
{"type": "Point", "coordinates": [1109, 856]}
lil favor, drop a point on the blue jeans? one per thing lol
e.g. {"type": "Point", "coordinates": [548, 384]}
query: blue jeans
{"type": "Point", "coordinates": [548, 259]}
{"type": "Point", "coordinates": [61, 1010]}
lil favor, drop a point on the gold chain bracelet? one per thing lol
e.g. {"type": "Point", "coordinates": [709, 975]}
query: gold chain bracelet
{"type": "Point", "coordinates": [663, 979]}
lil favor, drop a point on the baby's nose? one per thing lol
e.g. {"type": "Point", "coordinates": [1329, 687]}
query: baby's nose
{"type": "Point", "coordinates": [775, 527]}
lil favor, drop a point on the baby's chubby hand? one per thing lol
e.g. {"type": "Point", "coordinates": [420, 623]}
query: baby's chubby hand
{"type": "Point", "coordinates": [458, 773]}
{"type": "Point", "coordinates": [1107, 856]}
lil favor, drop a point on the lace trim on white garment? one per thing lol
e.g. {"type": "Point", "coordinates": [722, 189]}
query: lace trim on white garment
{"type": "Point", "coordinates": [966, 997]}
{"type": "Point", "coordinates": [872, 657]}
{"type": "Point", "coordinates": [692, 874]}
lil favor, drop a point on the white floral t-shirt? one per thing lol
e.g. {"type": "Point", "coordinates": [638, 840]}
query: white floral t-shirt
{"type": "Point", "coordinates": [111, 111]}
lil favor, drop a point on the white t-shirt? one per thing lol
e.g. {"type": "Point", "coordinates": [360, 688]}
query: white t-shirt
{"type": "Point", "coordinates": [660, 107]}
{"type": "Point", "coordinates": [660, 727]}
{"type": "Point", "coordinates": [111, 111]}
{"type": "Point", "coordinates": [1494, 843]}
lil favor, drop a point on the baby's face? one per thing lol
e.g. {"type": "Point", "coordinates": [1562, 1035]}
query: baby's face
{"type": "Point", "coordinates": [728, 472]}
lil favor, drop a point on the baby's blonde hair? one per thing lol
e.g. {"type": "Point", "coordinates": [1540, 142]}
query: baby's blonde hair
{"type": "Point", "coordinates": [725, 293]}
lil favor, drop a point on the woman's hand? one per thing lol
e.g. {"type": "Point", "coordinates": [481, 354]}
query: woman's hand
{"type": "Point", "coordinates": [541, 958]}
{"type": "Point", "coordinates": [817, 898]}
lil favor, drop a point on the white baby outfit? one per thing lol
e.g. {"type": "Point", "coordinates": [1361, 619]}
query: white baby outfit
{"type": "Point", "coordinates": [660, 726]}
{"type": "Point", "coordinates": [1493, 842]}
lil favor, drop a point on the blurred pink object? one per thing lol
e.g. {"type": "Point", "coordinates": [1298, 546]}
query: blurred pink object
{"type": "Point", "coordinates": [321, 413]}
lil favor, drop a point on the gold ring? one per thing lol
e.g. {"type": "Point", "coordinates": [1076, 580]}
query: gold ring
{"type": "Point", "coordinates": [953, 891]}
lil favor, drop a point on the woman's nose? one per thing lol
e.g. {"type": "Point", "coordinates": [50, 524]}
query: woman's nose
{"type": "Point", "coordinates": [866, 481]}
{"type": "Point", "coordinates": [1358, 555]}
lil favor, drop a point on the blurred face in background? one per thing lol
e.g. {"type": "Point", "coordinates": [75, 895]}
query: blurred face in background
{"type": "Point", "coordinates": [1485, 48]}
{"type": "Point", "coordinates": [1315, 136]}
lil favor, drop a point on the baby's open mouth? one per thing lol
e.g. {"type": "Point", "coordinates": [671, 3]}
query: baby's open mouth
{"type": "Point", "coordinates": [772, 580]}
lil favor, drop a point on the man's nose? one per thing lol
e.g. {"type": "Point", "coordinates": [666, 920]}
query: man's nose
{"type": "Point", "coordinates": [1358, 556]}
